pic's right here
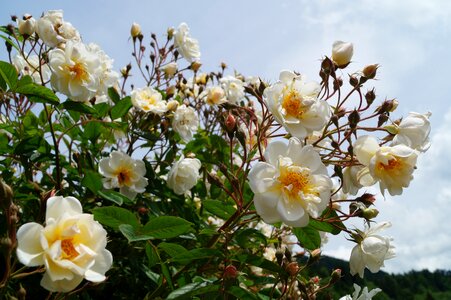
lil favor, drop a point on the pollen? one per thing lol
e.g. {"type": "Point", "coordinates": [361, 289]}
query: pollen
{"type": "Point", "coordinates": [124, 177]}
{"type": "Point", "coordinates": [393, 164]}
{"type": "Point", "coordinates": [295, 182]}
{"type": "Point", "coordinates": [292, 103]}
{"type": "Point", "coordinates": [69, 251]}
{"type": "Point", "coordinates": [78, 71]}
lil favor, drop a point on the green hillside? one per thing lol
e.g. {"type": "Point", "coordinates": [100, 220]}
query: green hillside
{"type": "Point", "coordinates": [416, 285]}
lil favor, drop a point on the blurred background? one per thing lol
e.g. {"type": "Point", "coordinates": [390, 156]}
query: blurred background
{"type": "Point", "coordinates": [409, 39]}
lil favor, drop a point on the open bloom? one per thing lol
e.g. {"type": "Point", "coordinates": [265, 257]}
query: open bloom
{"type": "Point", "coordinates": [183, 175]}
{"type": "Point", "coordinates": [365, 295]}
{"type": "Point", "coordinates": [371, 250]}
{"type": "Point", "coordinates": [342, 53]}
{"type": "Point", "coordinates": [123, 172]}
{"type": "Point", "coordinates": [214, 95]}
{"type": "Point", "coordinates": [71, 246]}
{"type": "Point", "coordinates": [294, 104]}
{"type": "Point", "coordinates": [413, 131]}
{"type": "Point", "coordinates": [391, 166]}
{"type": "Point", "coordinates": [53, 30]}
{"type": "Point", "coordinates": [149, 100]}
{"type": "Point", "coordinates": [75, 71]}
{"type": "Point", "coordinates": [291, 185]}
{"type": "Point", "coordinates": [185, 122]}
{"type": "Point", "coordinates": [186, 45]}
{"type": "Point", "coordinates": [233, 87]}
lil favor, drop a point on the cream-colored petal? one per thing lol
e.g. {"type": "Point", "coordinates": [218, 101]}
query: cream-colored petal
{"type": "Point", "coordinates": [274, 150]}
{"type": "Point", "coordinates": [365, 147]}
{"type": "Point", "coordinates": [266, 208]}
{"type": "Point", "coordinates": [261, 177]}
{"type": "Point", "coordinates": [356, 262]}
{"type": "Point", "coordinates": [105, 168]}
{"type": "Point", "coordinates": [57, 206]}
{"type": "Point", "coordinates": [290, 210]}
{"type": "Point", "coordinates": [64, 285]}
{"type": "Point", "coordinates": [29, 249]}
{"type": "Point", "coordinates": [103, 263]}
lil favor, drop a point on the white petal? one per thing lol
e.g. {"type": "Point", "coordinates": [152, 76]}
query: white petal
{"type": "Point", "coordinates": [287, 76]}
{"type": "Point", "coordinates": [266, 208]}
{"type": "Point", "coordinates": [105, 169]}
{"type": "Point", "coordinates": [356, 262]}
{"type": "Point", "coordinates": [58, 205]}
{"type": "Point", "coordinates": [103, 263]}
{"type": "Point", "coordinates": [290, 210]}
{"type": "Point", "coordinates": [364, 148]}
{"type": "Point", "coordinates": [29, 249]}
{"type": "Point", "coordinates": [261, 177]}
{"type": "Point", "coordinates": [64, 285]}
{"type": "Point", "coordinates": [274, 150]}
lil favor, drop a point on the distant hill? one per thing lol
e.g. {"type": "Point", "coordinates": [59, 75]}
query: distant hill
{"type": "Point", "coordinates": [415, 285]}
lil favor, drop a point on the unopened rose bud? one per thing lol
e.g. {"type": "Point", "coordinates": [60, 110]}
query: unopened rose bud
{"type": "Point", "coordinates": [223, 66]}
{"type": "Point", "coordinates": [353, 81]}
{"type": "Point", "coordinates": [392, 105]}
{"type": "Point", "coordinates": [338, 83]}
{"type": "Point", "coordinates": [292, 268]}
{"type": "Point", "coordinates": [354, 119]}
{"type": "Point", "coordinates": [6, 195]}
{"type": "Point", "coordinates": [392, 129]}
{"type": "Point", "coordinates": [172, 105]}
{"type": "Point", "coordinates": [382, 119]}
{"type": "Point", "coordinates": [315, 255]}
{"type": "Point", "coordinates": [279, 256]}
{"type": "Point", "coordinates": [342, 53]}
{"type": "Point", "coordinates": [27, 26]}
{"type": "Point", "coordinates": [170, 91]}
{"type": "Point", "coordinates": [370, 213]}
{"type": "Point", "coordinates": [135, 30]}
{"type": "Point", "coordinates": [327, 66]}
{"type": "Point", "coordinates": [170, 69]}
{"type": "Point", "coordinates": [170, 32]}
{"type": "Point", "coordinates": [230, 123]}
{"type": "Point", "coordinates": [124, 72]}
{"type": "Point", "coordinates": [230, 272]}
{"type": "Point", "coordinates": [370, 71]}
{"type": "Point", "coordinates": [142, 210]}
{"type": "Point", "coordinates": [367, 199]}
{"type": "Point", "coordinates": [195, 66]}
{"type": "Point", "coordinates": [21, 293]}
{"type": "Point", "coordinates": [370, 96]}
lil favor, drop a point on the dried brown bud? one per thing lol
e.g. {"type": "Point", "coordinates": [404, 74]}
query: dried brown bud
{"type": "Point", "coordinates": [382, 119]}
{"type": "Point", "coordinates": [370, 71]}
{"type": "Point", "coordinates": [195, 66]}
{"type": "Point", "coordinates": [292, 268]}
{"type": "Point", "coordinates": [354, 119]}
{"type": "Point", "coordinates": [223, 66]}
{"type": "Point", "coordinates": [370, 96]}
{"type": "Point", "coordinates": [338, 82]}
{"type": "Point", "coordinates": [327, 66]}
{"type": "Point", "coordinates": [353, 81]}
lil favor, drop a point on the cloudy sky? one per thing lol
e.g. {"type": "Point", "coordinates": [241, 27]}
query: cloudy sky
{"type": "Point", "coordinates": [410, 39]}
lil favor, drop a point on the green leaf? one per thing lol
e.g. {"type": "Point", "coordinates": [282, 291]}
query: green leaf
{"type": "Point", "coordinates": [92, 180]}
{"type": "Point", "coordinates": [241, 293]}
{"type": "Point", "coordinates": [92, 131]}
{"type": "Point", "coordinates": [113, 94]}
{"type": "Point", "coordinates": [121, 108]}
{"type": "Point", "coordinates": [114, 196]}
{"type": "Point", "coordinates": [38, 93]}
{"type": "Point", "coordinates": [308, 237]}
{"type": "Point", "coordinates": [29, 145]}
{"type": "Point", "coordinates": [152, 255]}
{"type": "Point", "coordinates": [113, 217]}
{"type": "Point", "coordinates": [132, 234]}
{"type": "Point", "coordinates": [166, 227]}
{"type": "Point", "coordinates": [249, 238]}
{"type": "Point", "coordinates": [261, 262]}
{"type": "Point", "coordinates": [219, 208]}
{"type": "Point", "coordinates": [9, 75]}
{"type": "Point", "coordinates": [327, 226]}
{"type": "Point", "coordinates": [172, 249]}
{"type": "Point", "coordinates": [200, 253]}
{"type": "Point", "coordinates": [102, 109]}
{"type": "Point", "coordinates": [193, 289]}
{"type": "Point", "coordinates": [79, 107]}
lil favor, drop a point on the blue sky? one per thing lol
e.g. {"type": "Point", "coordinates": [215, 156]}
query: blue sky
{"type": "Point", "coordinates": [409, 39]}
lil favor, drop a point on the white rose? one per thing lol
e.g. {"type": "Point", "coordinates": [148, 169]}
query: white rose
{"type": "Point", "coordinates": [122, 171]}
{"type": "Point", "coordinates": [71, 246]}
{"type": "Point", "coordinates": [32, 67]}
{"type": "Point", "coordinates": [233, 88]}
{"type": "Point", "coordinates": [27, 25]}
{"type": "Point", "coordinates": [371, 251]}
{"type": "Point", "coordinates": [413, 131]}
{"type": "Point", "coordinates": [183, 175]}
{"type": "Point", "coordinates": [366, 295]}
{"type": "Point", "coordinates": [291, 185]}
{"type": "Point", "coordinates": [185, 122]}
{"type": "Point", "coordinates": [76, 71]}
{"type": "Point", "coordinates": [149, 100]}
{"type": "Point", "coordinates": [391, 166]}
{"type": "Point", "coordinates": [214, 95]}
{"type": "Point", "coordinates": [107, 77]}
{"type": "Point", "coordinates": [342, 53]}
{"type": "Point", "coordinates": [186, 45]}
{"type": "Point", "coordinates": [170, 69]}
{"type": "Point", "coordinates": [53, 31]}
{"type": "Point", "coordinates": [294, 104]}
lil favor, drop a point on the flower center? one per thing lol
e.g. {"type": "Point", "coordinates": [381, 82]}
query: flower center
{"type": "Point", "coordinates": [393, 164]}
{"type": "Point", "coordinates": [124, 177]}
{"type": "Point", "coordinates": [295, 182]}
{"type": "Point", "coordinates": [78, 71]}
{"type": "Point", "coordinates": [69, 251]}
{"type": "Point", "coordinates": [292, 104]}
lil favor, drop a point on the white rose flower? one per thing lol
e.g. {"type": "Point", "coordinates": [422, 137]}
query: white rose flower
{"type": "Point", "coordinates": [366, 295]}
{"type": "Point", "coordinates": [27, 25]}
{"type": "Point", "coordinates": [185, 122]}
{"type": "Point", "coordinates": [183, 175]}
{"type": "Point", "coordinates": [391, 166]}
{"type": "Point", "coordinates": [106, 75]}
{"type": "Point", "coordinates": [31, 67]}
{"type": "Point", "coordinates": [149, 100]}
{"type": "Point", "coordinates": [291, 185]}
{"type": "Point", "coordinates": [233, 88]}
{"type": "Point", "coordinates": [294, 104]}
{"type": "Point", "coordinates": [371, 251]}
{"type": "Point", "coordinates": [185, 44]}
{"type": "Point", "coordinates": [123, 172]}
{"type": "Point", "coordinates": [170, 69]}
{"type": "Point", "coordinates": [71, 246]}
{"type": "Point", "coordinates": [53, 31]}
{"type": "Point", "coordinates": [413, 131]}
{"type": "Point", "coordinates": [342, 53]}
{"type": "Point", "coordinates": [214, 95]}
{"type": "Point", "coordinates": [355, 177]}
{"type": "Point", "coordinates": [76, 71]}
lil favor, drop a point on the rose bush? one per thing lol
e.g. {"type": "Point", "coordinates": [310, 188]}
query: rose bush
{"type": "Point", "coordinates": [206, 183]}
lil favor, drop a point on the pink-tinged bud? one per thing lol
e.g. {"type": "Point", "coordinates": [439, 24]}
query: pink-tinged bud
{"type": "Point", "coordinates": [342, 53]}
{"type": "Point", "coordinates": [230, 272]}
{"type": "Point", "coordinates": [292, 268]}
{"type": "Point", "coordinates": [335, 276]}
{"type": "Point", "coordinates": [135, 30]}
{"type": "Point", "coordinates": [230, 123]}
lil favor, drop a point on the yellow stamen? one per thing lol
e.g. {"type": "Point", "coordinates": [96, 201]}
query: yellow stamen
{"type": "Point", "coordinates": [124, 177]}
{"type": "Point", "coordinates": [393, 164]}
{"type": "Point", "coordinates": [295, 182]}
{"type": "Point", "coordinates": [292, 103]}
{"type": "Point", "coordinates": [78, 71]}
{"type": "Point", "coordinates": [69, 251]}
